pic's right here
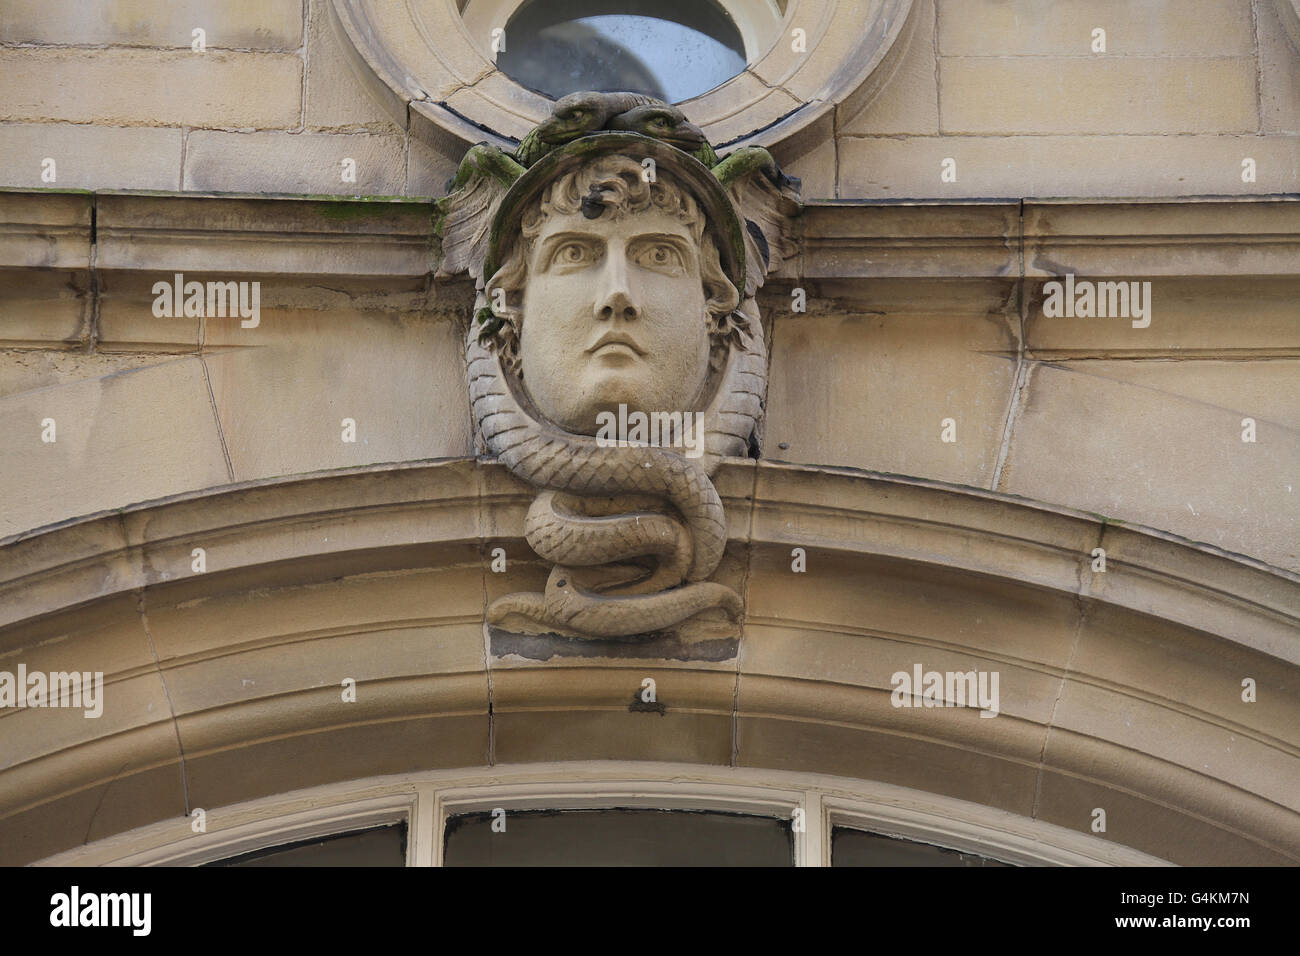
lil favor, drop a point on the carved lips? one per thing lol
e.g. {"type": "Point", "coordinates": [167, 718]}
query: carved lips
{"type": "Point", "coordinates": [616, 343]}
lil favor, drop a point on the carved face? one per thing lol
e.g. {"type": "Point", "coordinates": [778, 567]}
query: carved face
{"type": "Point", "coordinates": [615, 314]}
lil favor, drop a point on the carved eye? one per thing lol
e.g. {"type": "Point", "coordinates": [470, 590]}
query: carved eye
{"type": "Point", "coordinates": [660, 256]}
{"type": "Point", "coordinates": [571, 254]}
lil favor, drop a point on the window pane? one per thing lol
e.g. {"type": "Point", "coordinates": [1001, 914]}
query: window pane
{"type": "Point", "coordinates": [618, 838]}
{"type": "Point", "coordinates": [671, 49]}
{"type": "Point", "coordinates": [860, 848]}
{"type": "Point", "coordinates": [381, 846]}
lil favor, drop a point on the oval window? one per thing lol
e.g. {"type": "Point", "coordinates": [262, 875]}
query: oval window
{"type": "Point", "coordinates": [671, 49]}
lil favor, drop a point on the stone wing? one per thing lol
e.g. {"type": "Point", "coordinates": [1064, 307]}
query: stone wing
{"type": "Point", "coordinates": [465, 214]}
{"type": "Point", "coordinates": [768, 201]}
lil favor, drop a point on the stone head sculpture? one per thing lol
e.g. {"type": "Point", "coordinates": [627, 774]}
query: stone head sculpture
{"type": "Point", "coordinates": [634, 304]}
{"type": "Point", "coordinates": [614, 287]}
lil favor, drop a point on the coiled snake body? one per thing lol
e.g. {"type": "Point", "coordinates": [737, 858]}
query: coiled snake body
{"type": "Point", "coordinates": [624, 565]}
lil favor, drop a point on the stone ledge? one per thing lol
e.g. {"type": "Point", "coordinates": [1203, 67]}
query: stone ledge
{"type": "Point", "coordinates": [392, 236]}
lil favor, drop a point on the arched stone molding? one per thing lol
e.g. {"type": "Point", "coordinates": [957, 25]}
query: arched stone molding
{"type": "Point", "coordinates": [425, 59]}
{"type": "Point", "coordinates": [427, 800]}
{"type": "Point", "coordinates": [1289, 11]}
{"type": "Point", "coordinates": [1119, 691]}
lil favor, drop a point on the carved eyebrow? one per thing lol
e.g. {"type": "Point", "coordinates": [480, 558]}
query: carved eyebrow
{"type": "Point", "coordinates": [680, 243]}
{"type": "Point", "coordinates": [573, 236]}
{"type": "Point", "coordinates": [552, 242]}
{"type": "Point", "coordinates": [661, 237]}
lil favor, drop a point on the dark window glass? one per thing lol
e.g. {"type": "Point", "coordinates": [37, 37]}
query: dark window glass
{"type": "Point", "coordinates": [381, 846]}
{"type": "Point", "coordinates": [672, 49]}
{"type": "Point", "coordinates": [860, 848]}
{"type": "Point", "coordinates": [618, 838]}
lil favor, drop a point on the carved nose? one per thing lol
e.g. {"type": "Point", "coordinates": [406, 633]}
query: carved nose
{"type": "Point", "coordinates": [614, 299]}
{"type": "Point", "coordinates": [617, 303]}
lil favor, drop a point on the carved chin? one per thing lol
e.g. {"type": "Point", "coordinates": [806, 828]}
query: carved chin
{"type": "Point", "coordinates": [576, 409]}
{"type": "Point", "coordinates": [573, 396]}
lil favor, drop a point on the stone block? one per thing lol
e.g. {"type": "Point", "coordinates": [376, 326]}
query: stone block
{"type": "Point", "coordinates": [313, 163]}
{"type": "Point", "coordinates": [1160, 94]}
{"type": "Point", "coordinates": [1065, 166]}
{"type": "Point", "coordinates": [872, 391]}
{"type": "Point", "coordinates": [152, 88]}
{"type": "Point", "coordinates": [1279, 73]}
{"type": "Point", "coordinates": [283, 395]}
{"type": "Point", "coordinates": [91, 157]}
{"type": "Point", "coordinates": [1179, 464]}
{"type": "Point", "coordinates": [908, 102]}
{"type": "Point", "coordinates": [49, 309]}
{"type": "Point", "coordinates": [229, 25]}
{"type": "Point", "coordinates": [127, 437]}
{"type": "Point", "coordinates": [341, 92]}
{"type": "Point", "coordinates": [1006, 28]}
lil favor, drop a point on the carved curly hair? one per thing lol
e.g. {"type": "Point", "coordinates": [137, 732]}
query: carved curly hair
{"type": "Point", "coordinates": [616, 183]}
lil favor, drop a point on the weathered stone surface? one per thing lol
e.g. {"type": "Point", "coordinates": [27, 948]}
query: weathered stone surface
{"type": "Point", "coordinates": [1067, 166]}
{"type": "Point", "coordinates": [1187, 318]}
{"type": "Point", "coordinates": [593, 714]}
{"type": "Point", "coordinates": [91, 157]}
{"type": "Point", "coordinates": [816, 166]}
{"type": "Point", "coordinates": [275, 162]}
{"type": "Point", "coordinates": [24, 370]}
{"type": "Point", "coordinates": [340, 92]}
{"type": "Point", "coordinates": [44, 309]}
{"type": "Point", "coordinates": [231, 24]}
{"type": "Point", "coordinates": [1077, 438]}
{"type": "Point", "coordinates": [909, 99]}
{"type": "Point", "coordinates": [405, 391]}
{"type": "Point", "coordinates": [152, 88]}
{"type": "Point", "coordinates": [52, 232]}
{"type": "Point", "coordinates": [126, 437]}
{"type": "Point", "coordinates": [1165, 94]}
{"type": "Point", "coordinates": [1279, 72]}
{"type": "Point", "coordinates": [387, 241]}
{"type": "Point", "coordinates": [872, 391]}
{"type": "Point", "coordinates": [427, 170]}
{"type": "Point", "coordinates": [1008, 28]}
{"type": "Point", "coordinates": [126, 320]}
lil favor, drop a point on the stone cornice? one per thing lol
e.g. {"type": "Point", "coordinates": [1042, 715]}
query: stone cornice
{"type": "Point", "coordinates": [392, 238]}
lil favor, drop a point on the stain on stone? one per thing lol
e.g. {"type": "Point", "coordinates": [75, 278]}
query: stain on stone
{"type": "Point", "coordinates": [639, 706]}
{"type": "Point", "coordinates": [658, 645]}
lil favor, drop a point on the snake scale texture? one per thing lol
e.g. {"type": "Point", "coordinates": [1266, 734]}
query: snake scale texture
{"type": "Point", "coordinates": [633, 531]}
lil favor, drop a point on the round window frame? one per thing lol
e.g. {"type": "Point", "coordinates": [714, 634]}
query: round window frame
{"type": "Point", "coordinates": [453, 87]}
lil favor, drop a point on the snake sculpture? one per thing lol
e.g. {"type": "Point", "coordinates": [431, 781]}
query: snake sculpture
{"type": "Point", "coordinates": [633, 531]}
{"type": "Point", "coordinates": [603, 507]}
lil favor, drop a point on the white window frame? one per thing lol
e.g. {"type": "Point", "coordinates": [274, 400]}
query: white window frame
{"type": "Point", "coordinates": [426, 801]}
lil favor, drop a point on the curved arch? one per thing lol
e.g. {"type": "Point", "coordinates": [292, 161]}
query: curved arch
{"type": "Point", "coordinates": [1119, 690]}
{"type": "Point", "coordinates": [423, 56]}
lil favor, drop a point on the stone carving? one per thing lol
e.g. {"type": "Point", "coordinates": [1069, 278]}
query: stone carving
{"type": "Point", "coordinates": [616, 353]}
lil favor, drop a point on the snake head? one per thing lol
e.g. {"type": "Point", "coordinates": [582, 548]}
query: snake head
{"type": "Point", "coordinates": [662, 122]}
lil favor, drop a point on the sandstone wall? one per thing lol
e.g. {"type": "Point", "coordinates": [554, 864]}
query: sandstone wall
{"type": "Point", "coordinates": [917, 314]}
{"type": "Point", "coordinates": [1184, 92]}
